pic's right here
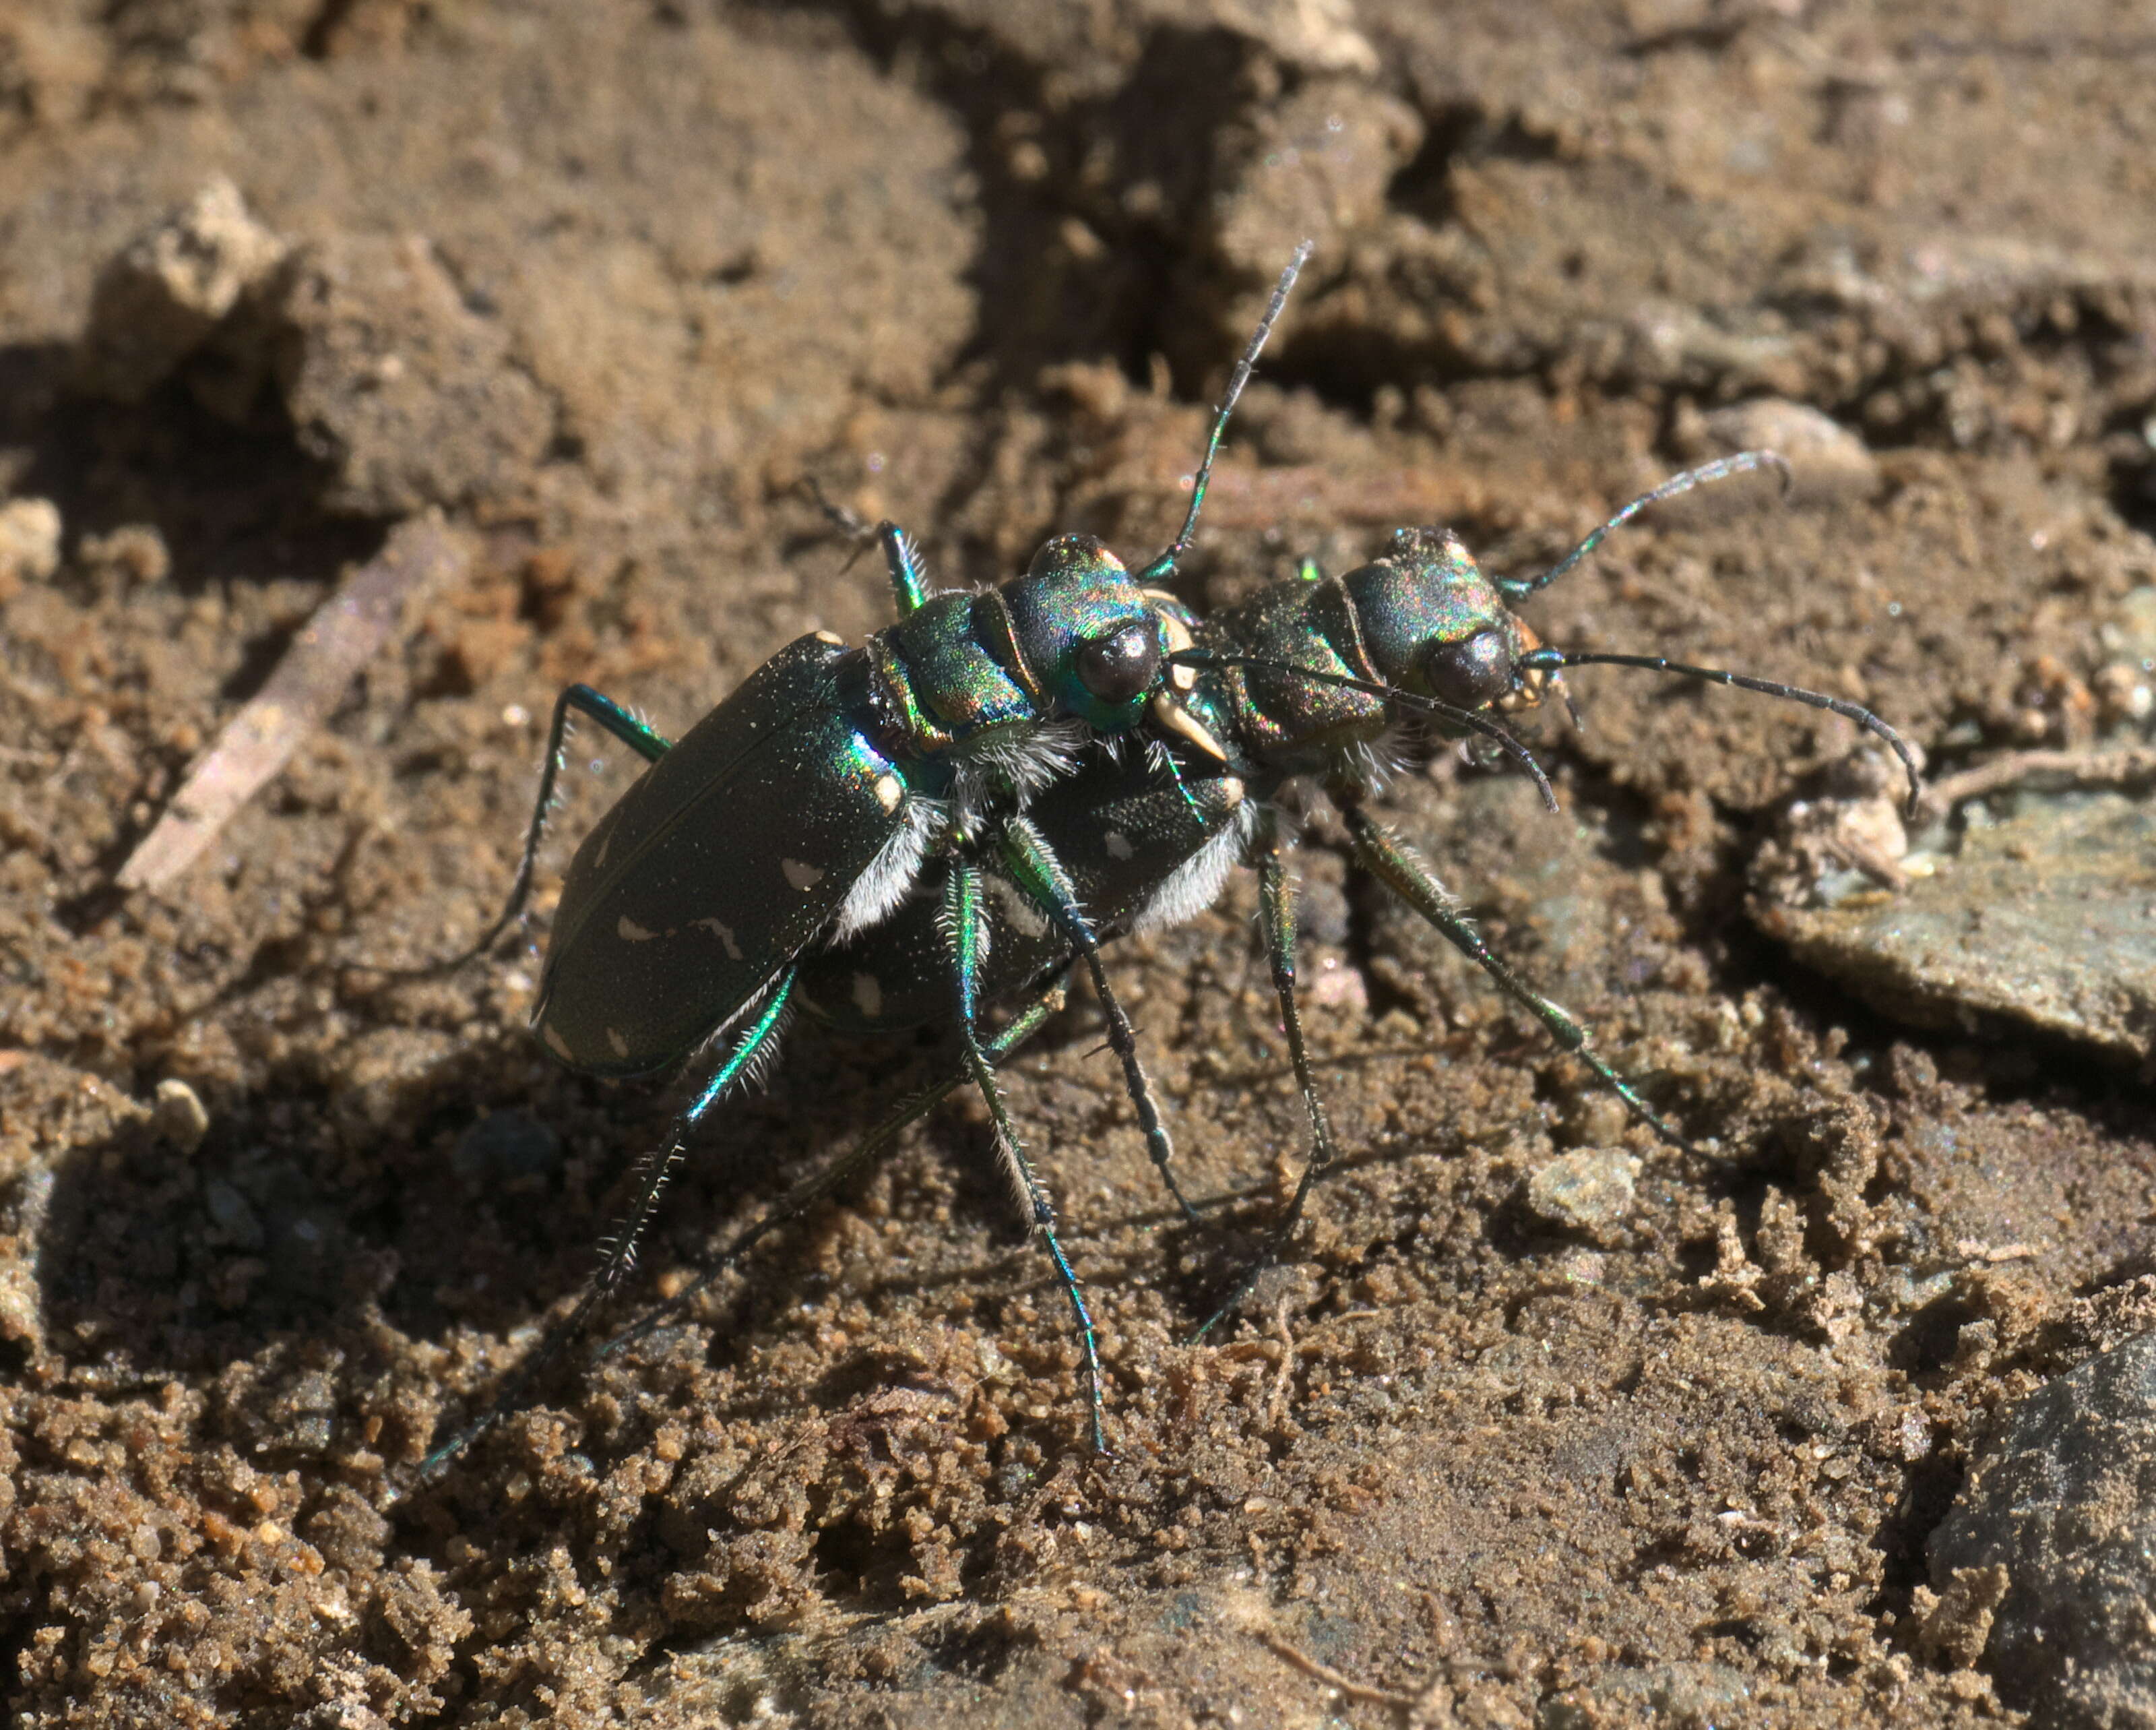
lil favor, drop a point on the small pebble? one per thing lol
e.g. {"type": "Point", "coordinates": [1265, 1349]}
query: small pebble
{"type": "Point", "coordinates": [1826, 460]}
{"type": "Point", "coordinates": [180, 1117]}
{"type": "Point", "coordinates": [232, 1214]}
{"type": "Point", "coordinates": [29, 542]}
{"type": "Point", "coordinates": [22, 1318]}
{"type": "Point", "coordinates": [156, 302]}
{"type": "Point", "coordinates": [1588, 1190]}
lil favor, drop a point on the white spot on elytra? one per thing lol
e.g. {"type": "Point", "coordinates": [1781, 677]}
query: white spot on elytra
{"type": "Point", "coordinates": [889, 791]}
{"type": "Point", "coordinates": [556, 1044]}
{"type": "Point", "coordinates": [724, 933]}
{"type": "Point", "coordinates": [619, 1044]}
{"type": "Point", "coordinates": [630, 932]}
{"type": "Point", "coordinates": [868, 995]}
{"type": "Point", "coordinates": [802, 877]}
{"type": "Point", "coordinates": [1118, 844]}
{"type": "Point", "coordinates": [606, 841]}
{"type": "Point", "coordinates": [831, 637]}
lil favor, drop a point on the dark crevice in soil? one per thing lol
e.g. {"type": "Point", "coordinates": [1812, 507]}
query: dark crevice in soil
{"type": "Point", "coordinates": [2132, 475]}
{"type": "Point", "coordinates": [1458, 131]}
{"type": "Point", "coordinates": [318, 40]}
{"type": "Point", "coordinates": [979, 1651]}
{"type": "Point", "coordinates": [16, 1632]}
{"type": "Point", "coordinates": [1929, 1488]}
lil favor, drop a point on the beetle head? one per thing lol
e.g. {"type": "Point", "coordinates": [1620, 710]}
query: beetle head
{"type": "Point", "coordinates": [1434, 625]}
{"type": "Point", "coordinates": [1087, 632]}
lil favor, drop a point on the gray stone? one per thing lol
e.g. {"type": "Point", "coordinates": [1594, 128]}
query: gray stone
{"type": "Point", "coordinates": [504, 1144]}
{"type": "Point", "coordinates": [2042, 917]}
{"type": "Point", "coordinates": [392, 378]}
{"type": "Point", "coordinates": [2062, 1497]}
{"type": "Point", "coordinates": [231, 1216]}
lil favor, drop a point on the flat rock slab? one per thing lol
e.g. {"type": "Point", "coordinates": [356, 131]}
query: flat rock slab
{"type": "Point", "coordinates": [2044, 1565]}
{"type": "Point", "coordinates": [2044, 918]}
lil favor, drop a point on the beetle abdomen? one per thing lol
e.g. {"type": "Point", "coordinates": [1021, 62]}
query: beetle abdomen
{"type": "Point", "coordinates": [722, 861]}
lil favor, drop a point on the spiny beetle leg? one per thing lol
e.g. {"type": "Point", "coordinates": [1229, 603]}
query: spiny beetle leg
{"type": "Point", "coordinates": [1276, 899]}
{"type": "Point", "coordinates": [1406, 876]}
{"type": "Point", "coordinates": [805, 1195]}
{"type": "Point", "coordinates": [901, 558]}
{"type": "Point", "coordinates": [617, 1255]}
{"type": "Point", "coordinates": [579, 699]}
{"type": "Point", "coordinates": [754, 1047]}
{"type": "Point", "coordinates": [1040, 874]}
{"type": "Point", "coordinates": [962, 922]}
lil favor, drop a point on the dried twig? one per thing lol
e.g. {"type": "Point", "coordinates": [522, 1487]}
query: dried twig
{"type": "Point", "coordinates": [1432, 1709]}
{"type": "Point", "coordinates": [308, 684]}
{"type": "Point", "coordinates": [2079, 769]}
{"type": "Point", "coordinates": [1347, 1687]}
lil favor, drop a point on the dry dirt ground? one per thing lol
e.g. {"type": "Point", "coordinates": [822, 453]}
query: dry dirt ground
{"type": "Point", "coordinates": [606, 284]}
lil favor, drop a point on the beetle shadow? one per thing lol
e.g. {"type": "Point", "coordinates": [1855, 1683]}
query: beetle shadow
{"type": "Point", "coordinates": [334, 1230]}
{"type": "Point", "coordinates": [831, 1091]}
{"type": "Point", "coordinates": [231, 496]}
{"type": "Point", "coordinates": [160, 1264]}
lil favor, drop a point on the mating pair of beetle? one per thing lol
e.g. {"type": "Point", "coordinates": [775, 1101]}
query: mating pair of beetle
{"type": "Point", "coordinates": [955, 813]}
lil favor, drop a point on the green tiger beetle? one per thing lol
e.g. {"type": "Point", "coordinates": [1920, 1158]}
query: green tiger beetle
{"type": "Point", "coordinates": [966, 855]}
{"type": "Point", "coordinates": [1314, 679]}
{"type": "Point", "coordinates": [803, 810]}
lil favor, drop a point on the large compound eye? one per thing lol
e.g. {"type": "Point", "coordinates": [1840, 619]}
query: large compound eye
{"type": "Point", "coordinates": [1126, 665]}
{"type": "Point", "coordinates": [1470, 672]}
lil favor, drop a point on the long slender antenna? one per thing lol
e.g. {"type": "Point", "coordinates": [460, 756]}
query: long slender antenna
{"type": "Point", "coordinates": [1551, 660]}
{"type": "Point", "coordinates": [1164, 565]}
{"type": "Point", "coordinates": [1519, 589]}
{"type": "Point", "coordinates": [1467, 719]}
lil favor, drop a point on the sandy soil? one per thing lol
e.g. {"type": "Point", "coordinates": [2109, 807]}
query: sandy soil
{"type": "Point", "coordinates": [606, 284]}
